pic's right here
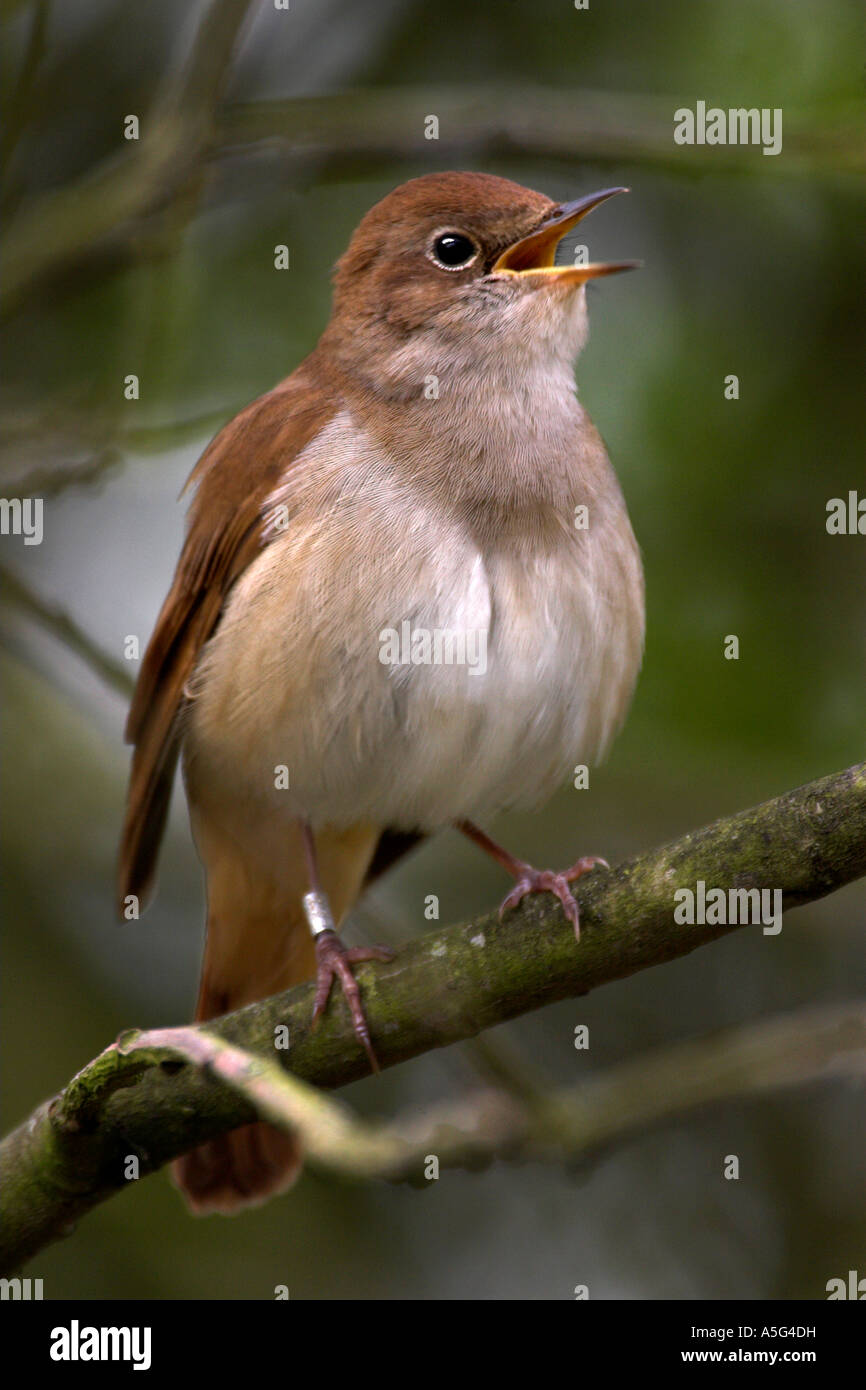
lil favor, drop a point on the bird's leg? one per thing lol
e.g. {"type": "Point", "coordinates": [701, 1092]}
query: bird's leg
{"type": "Point", "coordinates": [333, 958]}
{"type": "Point", "coordinates": [530, 880]}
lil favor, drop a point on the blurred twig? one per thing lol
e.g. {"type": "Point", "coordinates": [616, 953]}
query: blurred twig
{"type": "Point", "coordinates": [48, 482]}
{"type": "Point", "coordinates": [61, 626]}
{"type": "Point", "coordinates": [35, 435]}
{"type": "Point", "coordinates": [454, 983]}
{"type": "Point", "coordinates": [60, 1150]}
{"type": "Point", "coordinates": [17, 106]}
{"type": "Point", "coordinates": [334, 1138]}
{"type": "Point", "coordinates": [185, 131]}
{"type": "Point", "coordinates": [65, 223]}
{"type": "Point", "coordinates": [593, 126]}
{"type": "Point", "coordinates": [567, 1125]}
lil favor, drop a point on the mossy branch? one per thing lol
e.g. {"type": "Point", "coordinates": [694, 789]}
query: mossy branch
{"type": "Point", "coordinates": [450, 985]}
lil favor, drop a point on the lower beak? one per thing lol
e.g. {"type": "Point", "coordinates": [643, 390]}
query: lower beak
{"type": "Point", "coordinates": [535, 254]}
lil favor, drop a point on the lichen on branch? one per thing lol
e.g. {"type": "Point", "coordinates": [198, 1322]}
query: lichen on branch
{"type": "Point", "coordinates": [451, 984]}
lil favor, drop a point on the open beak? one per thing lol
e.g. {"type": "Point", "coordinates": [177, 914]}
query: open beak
{"type": "Point", "coordinates": [534, 255]}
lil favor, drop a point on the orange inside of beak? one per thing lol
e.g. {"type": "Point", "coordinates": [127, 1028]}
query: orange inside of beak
{"type": "Point", "coordinates": [536, 254]}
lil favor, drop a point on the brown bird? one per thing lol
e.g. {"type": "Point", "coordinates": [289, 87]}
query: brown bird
{"type": "Point", "coordinates": [409, 597]}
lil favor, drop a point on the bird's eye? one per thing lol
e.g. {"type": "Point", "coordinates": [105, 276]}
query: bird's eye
{"type": "Point", "coordinates": [453, 251]}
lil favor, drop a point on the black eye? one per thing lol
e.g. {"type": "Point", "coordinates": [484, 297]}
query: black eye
{"type": "Point", "coordinates": [453, 250]}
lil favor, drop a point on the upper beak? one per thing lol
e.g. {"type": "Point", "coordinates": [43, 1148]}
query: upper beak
{"type": "Point", "coordinates": [537, 252]}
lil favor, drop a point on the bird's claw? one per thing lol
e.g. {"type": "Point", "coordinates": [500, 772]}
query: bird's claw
{"type": "Point", "coordinates": [548, 881]}
{"type": "Point", "coordinates": [335, 961]}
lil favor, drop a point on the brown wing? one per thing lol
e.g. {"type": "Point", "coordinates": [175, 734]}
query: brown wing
{"type": "Point", "coordinates": [234, 476]}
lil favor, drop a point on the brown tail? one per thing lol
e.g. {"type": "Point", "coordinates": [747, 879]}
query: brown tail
{"type": "Point", "coordinates": [258, 944]}
{"type": "Point", "coordinates": [251, 1164]}
{"type": "Point", "coordinates": [238, 1170]}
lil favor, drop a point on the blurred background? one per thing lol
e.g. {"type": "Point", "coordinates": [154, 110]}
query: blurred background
{"type": "Point", "coordinates": [155, 258]}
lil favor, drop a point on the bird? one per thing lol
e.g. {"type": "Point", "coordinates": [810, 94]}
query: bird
{"type": "Point", "coordinates": [409, 598]}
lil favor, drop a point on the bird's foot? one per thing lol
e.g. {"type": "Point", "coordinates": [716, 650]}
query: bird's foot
{"type": "Point", "coordinates": [531, 880]}
{"type": "Point", "coordinates": [335, 961]}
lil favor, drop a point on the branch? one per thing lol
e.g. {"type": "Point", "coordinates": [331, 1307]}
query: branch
{"type": "Point", "coordinates": [60, 226]}
{"type": "Point", "coordinates": [595, 126]}
{"type": "Point", "coordinates": [86, 448]}
{"type": "Point", "coordinates": [63, 227]}
{"type": "Point", "coordinates": [62, 627]}
{"type": "Point", "coordinates": [20, 102]}
{"type": "Point", "coordinates": [809, 1045]}
{"type": "Point", "coordinates": [71, 472]}
{"type": "Point", "coordinates": [449, 985]}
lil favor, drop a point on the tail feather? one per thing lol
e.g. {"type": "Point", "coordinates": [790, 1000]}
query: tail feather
{"type": "Point", "coordinates": [248, 1165]}
{"type": "Point", "coordinates": [238, 1170]}
{"type": "Point", "coordinates": [258, 944]}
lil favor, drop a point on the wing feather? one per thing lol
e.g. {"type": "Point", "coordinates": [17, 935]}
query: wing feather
{"type": "Point", "coordinates": [225, 532]}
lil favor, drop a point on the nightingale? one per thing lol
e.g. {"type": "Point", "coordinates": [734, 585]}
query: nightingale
{"type": "Point", "coordinates": [427, 469]}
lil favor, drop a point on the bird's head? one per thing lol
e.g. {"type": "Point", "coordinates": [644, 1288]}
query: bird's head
{"type": "Point", "coordinates": [461, 267]}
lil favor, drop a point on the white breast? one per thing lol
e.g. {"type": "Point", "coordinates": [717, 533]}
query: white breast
{"type": "Point", "coordinates": [294, 676]}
